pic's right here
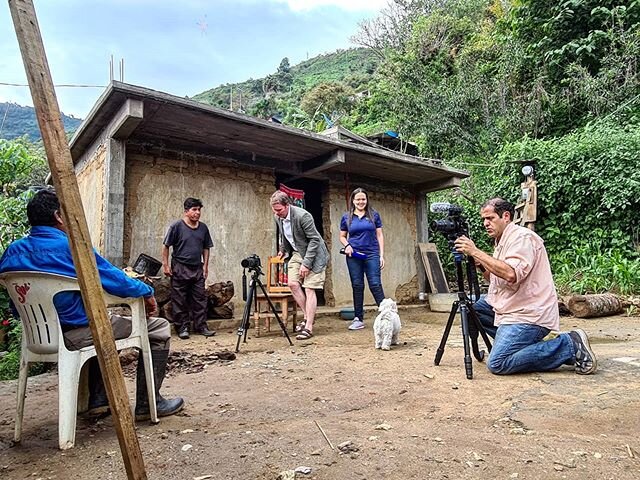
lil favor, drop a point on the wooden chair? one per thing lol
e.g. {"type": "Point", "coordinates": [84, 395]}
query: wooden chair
{"type": "Point", "coordinates": [287, 311]}
{"type": "Point", "coordinates": [277, 276]}
{"type": "Point", "coordinates": [280, 295]}
{"type": "Point", "coordinates": [42, 341]}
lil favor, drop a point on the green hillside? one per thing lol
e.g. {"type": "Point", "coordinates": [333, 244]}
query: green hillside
{"type": "Point", "coordinates": [17, 121]}
{"type": "Point", "coordinates": [324, 85]}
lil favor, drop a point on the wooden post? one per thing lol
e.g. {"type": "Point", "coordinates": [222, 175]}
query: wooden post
{"type": "Point", "coordinates": [64, 179]}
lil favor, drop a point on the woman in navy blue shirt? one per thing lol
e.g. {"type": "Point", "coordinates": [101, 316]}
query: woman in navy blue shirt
{"type": "Point", "coordinates": [361, 235]}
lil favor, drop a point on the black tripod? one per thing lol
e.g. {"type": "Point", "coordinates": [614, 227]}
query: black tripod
{"type": "Point", "coordinates": [470, 329]}
{"type": "Point", "coordinates": [252, 298]}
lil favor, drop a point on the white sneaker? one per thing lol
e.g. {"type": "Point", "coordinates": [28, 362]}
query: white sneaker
{"type": "Point", "coordinates": [357, 324]}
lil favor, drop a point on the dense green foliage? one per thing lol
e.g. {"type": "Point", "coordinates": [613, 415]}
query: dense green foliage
{"type": "Point", "coordinates": [22, 165]}
{"type": "Point", "coordinates": [488, 84]}
{"type": "Point", "coordinates": [588, 203]}
{"type": "Point", "coordinates": [18, 121]}
{"type": "Point", "coordinates": [590, 185]}
{"type": "Point", "coordinates": [302, 95]}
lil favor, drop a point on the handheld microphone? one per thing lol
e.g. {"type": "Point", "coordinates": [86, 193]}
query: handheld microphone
{"type": "Point", "coordinates": [440, 207]}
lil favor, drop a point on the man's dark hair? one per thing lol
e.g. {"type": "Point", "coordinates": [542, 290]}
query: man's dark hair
{"type": "Point", "coordinates": [42, 207]}
{"type": "Point", "coordinates": [500, 206]}
{"type": "Point", "coordinates": [192, 202]}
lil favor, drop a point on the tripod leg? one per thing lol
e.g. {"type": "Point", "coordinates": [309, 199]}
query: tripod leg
{"type": "Point", "coordinates": [244, 326]}
{"type": "Point", "coordinates": [252, 299]}
{"type": "Point", "coordinates": [445, 335]}
{"type": "Point", "coordinates": [477, 326]}
{"type": "Point", "coordinates": [468, 364]}
{"type": "Point", "coordinates": [473, 334]}
{"type": "Point", "coordinates": [275, 313]}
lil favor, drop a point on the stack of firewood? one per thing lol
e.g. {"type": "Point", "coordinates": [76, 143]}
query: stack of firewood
{"type": "Point", "coordinates": [218, 298]}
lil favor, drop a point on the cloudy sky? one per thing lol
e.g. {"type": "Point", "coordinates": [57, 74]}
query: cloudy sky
{"type": "Point", "coordinates": [179, 47]}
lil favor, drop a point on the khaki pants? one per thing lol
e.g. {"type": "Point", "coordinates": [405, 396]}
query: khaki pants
{"type": "Point", "coordinates": [158, 328]}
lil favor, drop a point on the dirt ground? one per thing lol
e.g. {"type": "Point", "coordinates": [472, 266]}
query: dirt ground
{"type": "Point", "coordinates": [255, 417]}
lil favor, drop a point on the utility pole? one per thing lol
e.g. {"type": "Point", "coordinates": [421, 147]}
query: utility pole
{"type": "Point", "coordinates": [65, 182]}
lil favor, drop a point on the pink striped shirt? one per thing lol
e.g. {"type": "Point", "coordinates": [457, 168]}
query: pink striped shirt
{"type": "Point", "coordinates": [532, 297]}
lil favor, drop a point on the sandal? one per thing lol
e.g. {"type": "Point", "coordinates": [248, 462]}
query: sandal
{"type": "Point", "coordinates": [302, 324]}
{"type": "Point", "coordinates": [304, 335]}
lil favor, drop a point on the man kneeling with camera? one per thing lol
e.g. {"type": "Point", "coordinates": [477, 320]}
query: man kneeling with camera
{"type": "Point", "coordinates": [521, 307]}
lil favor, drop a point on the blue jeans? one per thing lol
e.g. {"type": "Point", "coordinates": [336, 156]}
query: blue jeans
{"type": "Point", "coordinates": [518, 348]}
{"type": "Point", "coordinates": [357, 270]}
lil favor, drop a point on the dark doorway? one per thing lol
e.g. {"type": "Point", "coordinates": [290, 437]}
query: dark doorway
{"type": "Point", "coordinates": [314, 191]}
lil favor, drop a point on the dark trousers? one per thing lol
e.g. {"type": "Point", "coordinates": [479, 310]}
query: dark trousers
{"type": "Point", "coordinates": [357, 270]}
{"type": "Point", "coordinates": [188, 297]}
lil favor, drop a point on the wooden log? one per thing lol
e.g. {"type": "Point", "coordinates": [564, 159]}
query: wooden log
{"type": "Point", "coordinates": [64, 179]}
{"type": "Point", "coordinates": [165, 312]}
{"type": "Point", "coordinates": [220, 293]}
{"type": "Point", "coordinates": [586, 306]}
{"type": "Point", "coordinates": [162, 290]}
{"type": "Point", "coordinates": [223, 311]}
{"type": "Point", "coordinates": [562, 306]}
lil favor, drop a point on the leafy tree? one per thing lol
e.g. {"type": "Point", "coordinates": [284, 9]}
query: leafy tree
{"type": "Point", "coordinates": [334, 99]}
{"type": "Point", "coordinates": [21, 164]}
{"type": "Point", "coordinates": [284, 66]}
{"type": "Point", "coordinates": [583, 52]}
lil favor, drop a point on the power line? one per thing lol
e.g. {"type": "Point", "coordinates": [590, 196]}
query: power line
{"type": "Point", "coordinates": [59, 85]}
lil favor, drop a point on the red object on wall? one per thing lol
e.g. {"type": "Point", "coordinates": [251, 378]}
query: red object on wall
{"type": "Point", "coordinates": [296, 196]}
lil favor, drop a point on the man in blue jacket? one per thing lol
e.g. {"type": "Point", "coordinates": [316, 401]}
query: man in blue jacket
{"type": "Point", "coordinates": [46, 249]}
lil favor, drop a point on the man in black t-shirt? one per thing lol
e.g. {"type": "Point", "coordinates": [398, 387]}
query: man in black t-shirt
{"type": "Point", "coordinates": [189, 268]}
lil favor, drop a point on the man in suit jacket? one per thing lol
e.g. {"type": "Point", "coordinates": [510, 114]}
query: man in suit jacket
{"type": "Point", "coordinates": [306, 254]}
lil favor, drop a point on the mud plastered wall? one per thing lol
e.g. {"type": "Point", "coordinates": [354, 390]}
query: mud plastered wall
{"type": "Point", "coordinates": [91, 182]}
{"type": "Point", "coordinates": [236, 209]}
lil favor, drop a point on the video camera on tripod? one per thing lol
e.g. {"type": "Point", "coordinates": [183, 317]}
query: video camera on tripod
{"type": "Point", "coordinates": [453, 227]}
{"type": "Point", "coordinates": [254, 265]}
{"type": "Point", "coordinates": [252, 262]}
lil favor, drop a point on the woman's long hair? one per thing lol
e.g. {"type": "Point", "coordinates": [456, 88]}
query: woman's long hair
{"type": "Point", "coordinates": [368, 210]}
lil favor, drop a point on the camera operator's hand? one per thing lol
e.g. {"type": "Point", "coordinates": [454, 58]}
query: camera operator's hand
{"type": "Point", "coordinates": [465, 245]}
{"type": "Point", "coordinates": [151, 306]}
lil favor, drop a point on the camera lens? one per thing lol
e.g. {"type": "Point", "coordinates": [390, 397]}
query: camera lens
{"type": "Point", "coordinates": [252, 261]}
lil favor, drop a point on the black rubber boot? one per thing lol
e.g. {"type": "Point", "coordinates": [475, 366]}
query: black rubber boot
{"type": "Point", "coordinates": [165, 407]}
{"type": "Point", "coordinates": [98, 401]}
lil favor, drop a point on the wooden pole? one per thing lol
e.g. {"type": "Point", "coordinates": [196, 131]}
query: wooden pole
{"type": "Point", "coordinates": [64, 180]}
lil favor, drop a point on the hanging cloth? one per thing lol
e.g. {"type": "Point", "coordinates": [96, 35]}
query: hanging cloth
{"type": "Point", "coordinates": [296, 196]}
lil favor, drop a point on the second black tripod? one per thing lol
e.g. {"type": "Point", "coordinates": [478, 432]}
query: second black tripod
{"type": "Point", "coordinates": [252, 298]}
{"type": "Point", "coordinates": [470, 322]}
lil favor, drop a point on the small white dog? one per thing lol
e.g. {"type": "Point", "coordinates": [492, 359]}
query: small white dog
{"type": "Point", "coordinates": [387, 325]}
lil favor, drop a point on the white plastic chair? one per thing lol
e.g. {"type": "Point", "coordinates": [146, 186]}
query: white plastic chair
{"type": "Point", "coordinates": [42, 341]}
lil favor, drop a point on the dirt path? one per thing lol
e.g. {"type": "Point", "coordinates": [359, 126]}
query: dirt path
{"type": "Point", "coordinates": [254, 417]}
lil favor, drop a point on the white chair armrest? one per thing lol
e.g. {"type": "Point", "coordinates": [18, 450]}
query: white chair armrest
{"type": "Point", "coordinates": [138, 314]}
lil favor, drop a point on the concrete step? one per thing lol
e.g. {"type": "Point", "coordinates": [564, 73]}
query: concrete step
{"type": "Point", "coordinates": [322, 313]}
